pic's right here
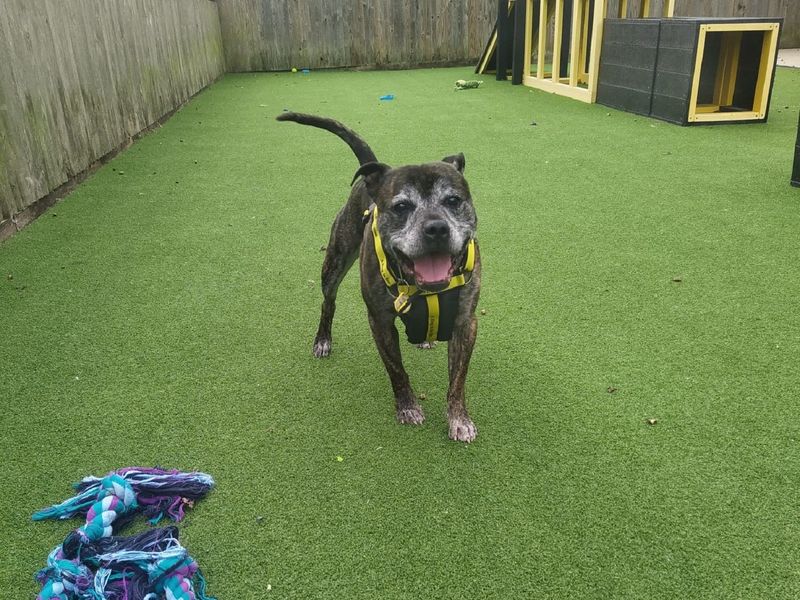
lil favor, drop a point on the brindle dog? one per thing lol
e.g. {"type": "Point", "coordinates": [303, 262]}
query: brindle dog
{"type": "Point", "coordinates": [425, 221]}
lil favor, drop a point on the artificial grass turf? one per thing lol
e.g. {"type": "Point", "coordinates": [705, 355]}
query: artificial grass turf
{"type": "Point", "coordinates": [165, 316]}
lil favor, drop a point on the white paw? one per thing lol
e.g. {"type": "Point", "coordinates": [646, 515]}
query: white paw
{"type": "Point", "coordinates": [411, 416]}
{"type": "Point", "coordinates": [462, 429]}
{"type": "Point", "coordinates": [322, 348]}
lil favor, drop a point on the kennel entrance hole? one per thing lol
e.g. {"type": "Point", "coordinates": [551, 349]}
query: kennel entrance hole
{"type": "Point", "coordinates": [733, 69]}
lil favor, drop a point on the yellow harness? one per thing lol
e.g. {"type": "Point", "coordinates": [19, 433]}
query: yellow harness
{"type": "Point", "coordinates": [432, 319]}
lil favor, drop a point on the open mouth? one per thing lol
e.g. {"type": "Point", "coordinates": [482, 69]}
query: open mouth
{"type": "Point", "coordinates": [429, 271]}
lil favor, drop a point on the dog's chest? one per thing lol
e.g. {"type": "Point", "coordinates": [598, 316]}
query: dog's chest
{"type": "Point", "coordinates": [431, 317]}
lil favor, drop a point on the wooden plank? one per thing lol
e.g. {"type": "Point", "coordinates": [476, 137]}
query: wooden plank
{"type": "Point", "coordinates": [575, 47]}
{"type": "Point", "coordinates": [595, 47]}
{"type": "Point", "coordinates": [557, 36]}
{"type": "Point", "coordinates": [554, 87]}
{"type": "Point", "coordinates": [530, 15]}
{"type": "Point", "coordinates": [785, 9]}
{"type": "Point", "coordinates": [274, 35]}
{"type": "Point", "coordinates": [790, 34]}
{"type": "Point", "coordinates": [544, 11]}
{"type": "Point", "coordinates": [78, 79]}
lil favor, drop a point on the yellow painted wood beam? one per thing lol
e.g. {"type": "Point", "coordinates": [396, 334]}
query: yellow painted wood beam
{"type": "Point", "coordinates": [544, 7]}
{"type": "Point", "coordinates": [727, 67]}
{"type": "Point", "coordinates": [562, 89]}
{"type": "Point", "coordinates": [597, 43]}
{"type": "Point", "coordinates": [526, 66]}
{"type": "Point", "coordinates": [575, 42]}
{"type": "Point", "coordinates": [557, 35]}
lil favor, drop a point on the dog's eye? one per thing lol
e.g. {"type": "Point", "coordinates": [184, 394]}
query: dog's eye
{"type": "Point", "coordinates": [453, 201]}
{"type": "Point", "coordinates": [403, 207]}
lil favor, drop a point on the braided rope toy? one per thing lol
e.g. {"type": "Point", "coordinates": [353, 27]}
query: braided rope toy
{"type": "Point", "coordinates": [63, 579]}
{"type": "Point", "coordinates": [92, 565]}
{"type": "Point", "coordinates": [147, 566]}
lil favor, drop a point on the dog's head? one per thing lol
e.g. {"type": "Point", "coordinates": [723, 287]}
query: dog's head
{"type": "Point", "coordinates": [425, 217]}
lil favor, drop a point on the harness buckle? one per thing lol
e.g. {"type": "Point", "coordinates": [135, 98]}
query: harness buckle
{"type": "Point", "coordinates": [402, 303]}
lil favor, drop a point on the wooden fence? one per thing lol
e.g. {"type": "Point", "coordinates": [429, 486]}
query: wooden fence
{"type": "Point", "coordinates": [79, 78]}
{"type": "Point", "coordinates": [274, 35]}
{"type": "Point", "coordinates": [267, 35]}
{"type": "Point", "coordinates": [788, 9]}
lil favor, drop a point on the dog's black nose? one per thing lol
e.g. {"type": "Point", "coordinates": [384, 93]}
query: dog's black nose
{"type": "Point", "coordinates": [436, 229]}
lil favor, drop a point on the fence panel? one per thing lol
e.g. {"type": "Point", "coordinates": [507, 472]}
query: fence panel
{"type": "Point", "coordinates": [78, 78]}
{"type": "Point", "coordinates": [268, 35]}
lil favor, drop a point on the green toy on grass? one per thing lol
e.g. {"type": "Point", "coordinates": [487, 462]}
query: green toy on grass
{"type": "Point", "coordinates": [463, 84]}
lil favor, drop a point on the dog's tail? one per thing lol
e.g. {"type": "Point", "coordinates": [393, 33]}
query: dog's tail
{"type": "Point", "coordinates": [360, 148]}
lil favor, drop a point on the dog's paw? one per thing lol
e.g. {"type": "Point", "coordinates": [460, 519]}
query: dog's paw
{"type": "Point", "coordinates": [412, 415]}
{"type": "Point", "coordinates": [462, 429]}
{"type": "Point", "coordinates": [322, 348]}
{"type": "Point", "coordinates": [426, 345]}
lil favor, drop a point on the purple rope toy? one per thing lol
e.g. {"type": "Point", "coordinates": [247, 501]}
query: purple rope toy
{"type": "Point", "coordinates": [148, 566]}
{"type": "Point", "coordinates": [108, 503]}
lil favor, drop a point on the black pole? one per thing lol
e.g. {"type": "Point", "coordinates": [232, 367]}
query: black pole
{"type": "Point", "coordinates": [504, 40]}
{"type": "Point", "coordinates": [566, 38]}
{"type": "Point", "coordinates": [518, 62]}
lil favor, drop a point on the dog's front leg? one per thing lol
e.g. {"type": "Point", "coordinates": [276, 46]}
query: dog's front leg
{"type": "Point", "coordinates": [388, 342]}
{"type": "Point", "coordinates": [459, 352]}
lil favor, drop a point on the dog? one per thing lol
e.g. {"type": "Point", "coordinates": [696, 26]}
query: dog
{"type": "Point", "coordinates": [413, 229]}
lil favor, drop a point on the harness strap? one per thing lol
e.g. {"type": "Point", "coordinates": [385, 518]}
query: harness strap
{"type": "Point", "coordinates": [411, 290]}
{"type": "Point", "coordinates": [433, 318]}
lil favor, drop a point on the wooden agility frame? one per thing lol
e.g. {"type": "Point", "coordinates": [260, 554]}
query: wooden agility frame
{"type": "Point", "coordinates": [557, 45]}
{"type": "Point", "coordinates": [580, 82]}
{"type": "Point", "coordinates": [586, 38]}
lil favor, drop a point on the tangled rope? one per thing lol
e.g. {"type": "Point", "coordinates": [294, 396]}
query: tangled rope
{"type": "Point", "coordinates": [93, 564]}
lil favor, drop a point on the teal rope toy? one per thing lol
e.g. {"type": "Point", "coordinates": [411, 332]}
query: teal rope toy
{"type": "Point", "coordinates": [93, 564]}
{"type": "Point", "coordinates": [148, 566]}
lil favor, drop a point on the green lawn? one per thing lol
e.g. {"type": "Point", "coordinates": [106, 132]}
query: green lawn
{"type": "Point", "coordinates": [164, 312]}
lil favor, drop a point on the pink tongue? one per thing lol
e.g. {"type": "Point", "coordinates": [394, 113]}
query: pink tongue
{"type": "Point", "coordinates": [433, 268]}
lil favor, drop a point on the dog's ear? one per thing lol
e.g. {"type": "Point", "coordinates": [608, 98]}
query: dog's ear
{"type": "Point", "coordinates": [373, 173]}
{"type": "Point", "coordinates": [457, 160]}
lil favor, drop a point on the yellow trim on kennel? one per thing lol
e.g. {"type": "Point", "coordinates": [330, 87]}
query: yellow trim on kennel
{"type": "Point", "coordinates": [727, 72]}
